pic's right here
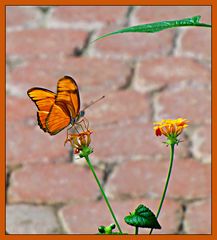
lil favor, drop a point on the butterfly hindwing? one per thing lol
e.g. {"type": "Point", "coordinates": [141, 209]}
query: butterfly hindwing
{"type": "Point", "coordinates": [57, 120]}
{"type": "Point", "coordinates": [41, 117]}
{"type": "Point", "coordinates": [44, 100]}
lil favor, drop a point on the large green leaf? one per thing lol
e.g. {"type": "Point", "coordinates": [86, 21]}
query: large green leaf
{"type": "Point", "coordinates": [159, 26]}
{"type": "Point", "coordinates": [142, 217]}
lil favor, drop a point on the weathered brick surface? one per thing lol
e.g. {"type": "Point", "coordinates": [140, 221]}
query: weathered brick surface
{"type": "Point", "coordinates": [92, 74]}
{"type": "Point", "coordinates": [196, 43]}
{"type": "Point", "coordinates": [130, 142]}
{"type": "Point", "coordinates": [88, 15]}
{"type": "Point", "coordinates": [36, 43]}
{"type": "Point", "coordinates": [147, 178]}
{"type": "Point", "coordinates": [190, 100]}
{"type": "Point", "coordinates": [195, 222]}
{"type": "Point", "coordinates": [52, 183]}
{"type": "Point", "coordinates": [157, 73]}
{"type": "Point", "coordinates": [145, 77]}
{"type": "Point", "coordinates": [21, 218]}
{"type": "Point", "coordinates": [135, 45]}
{"type": "Point", "coordinates": [22, 17]}
{"type": "Point", "coordinates": [157, 13]}
{"type": "Point", "coordinates": [93, 215]}
{"type": "Point", "coordinates": [201, 143]}
{"type": "Point", "coordinates": [111, 110]}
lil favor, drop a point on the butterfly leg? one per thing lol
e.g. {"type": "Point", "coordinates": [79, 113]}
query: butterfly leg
{"type": "Point", "coordinates": [75, 128]}
{"type": "Point", "coordinates": [85, 122]}
{"type": "Point", "coordinates": [67, 135]}
{"type": "Point", "coordinates": [79, 124]}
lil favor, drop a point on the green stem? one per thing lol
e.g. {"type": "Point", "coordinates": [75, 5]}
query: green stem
{"type": "Point", "coordinates": [136, 230]}
{"type": "Point", "coordinates": [167, 181]}
{"type": "Point", "coordinates": [103, 193]}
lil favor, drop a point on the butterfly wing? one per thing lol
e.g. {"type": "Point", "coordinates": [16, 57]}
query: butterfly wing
{"type": "Point", "coordinates": [44, 100]}
{"type": "Point", "coordinates": [66, 106]}
{"type": "Point", "coordinates": [68, 96]}
{"type": "Point", "coordinates": [57, 119]}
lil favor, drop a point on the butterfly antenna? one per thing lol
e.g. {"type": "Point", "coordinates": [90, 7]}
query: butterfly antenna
{"type": "Point", "coordinates": [93, 102]}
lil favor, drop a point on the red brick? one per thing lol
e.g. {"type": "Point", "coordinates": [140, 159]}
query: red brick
{"type": "Point", "coordinates": [89, 14]}
{"type": "Point", "coordinates": [132, 141]}
{"type": "Point", "coordinates": [44, 42]}
{"type": "Point", "coordinates": [139, 45]}
{"type": "Point", "coordinates": [92, 74]}
{"type": "Point", "coordinates": [157, 73]}
{"type": "Point", "coordinates": [120, 107]}
{"type": "Point", "coordinates": [189, 179]}
{"type": "Point", "coordinates": [94, 214]}
{"type": "Point", "coordinates": [52, 183]}
{"type": "Point", "coordinates": [198, 218]}
{"type": "Point", "coordinates": [17, 16]}
{"type": "Point", "coordinates": [197, 42]}
{"type": "Point", "coordinates": [189, 101]}
{"type": "Point", "coordinates": [25, 140]}
{"type": "Point", "coordinates": [201, 143]}
{"type": "Point", "coordinates": [148, 14]}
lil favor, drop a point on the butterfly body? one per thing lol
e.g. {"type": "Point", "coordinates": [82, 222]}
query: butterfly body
{"type": "Point", "coordinates": [57, 110]}
{"type": "Point", "coordinates": [75, 120]}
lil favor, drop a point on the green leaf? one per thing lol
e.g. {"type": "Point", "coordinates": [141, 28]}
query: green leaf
{"type": "Point", "coordinates": [142, 217]}
{"type": "Point", "coordinates": [159, 26]}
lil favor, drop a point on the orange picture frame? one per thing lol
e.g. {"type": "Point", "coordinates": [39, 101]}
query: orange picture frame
{"type": "Point", "coordinates": [3, 5]}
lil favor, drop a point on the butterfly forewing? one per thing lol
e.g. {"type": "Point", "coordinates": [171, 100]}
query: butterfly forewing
{"type": "Point", "coordinates": [43, 98]}
{"type": "Point", "coordinates": [67, 93]}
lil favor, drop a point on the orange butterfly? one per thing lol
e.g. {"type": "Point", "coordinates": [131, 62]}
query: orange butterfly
{"type": "Point", "coordinates": [57, 110]}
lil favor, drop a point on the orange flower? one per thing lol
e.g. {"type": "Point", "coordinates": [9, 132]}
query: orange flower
{"type": "Point", "coordinates": [79, 140]}
{"type": "Point", "coordinates": [170, 128]}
